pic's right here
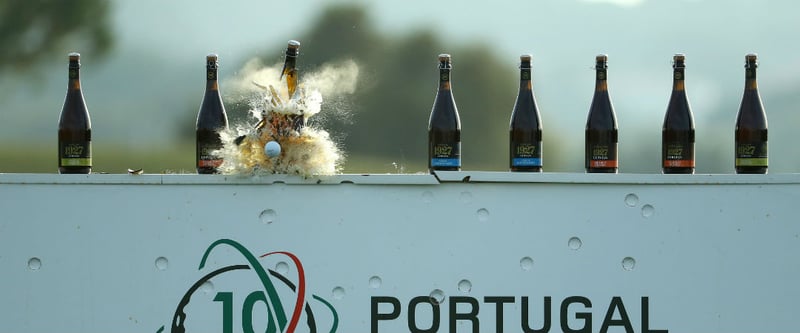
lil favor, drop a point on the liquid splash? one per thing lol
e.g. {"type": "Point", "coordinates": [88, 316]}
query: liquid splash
{"type": "Point", "coordinates": [306, 149]}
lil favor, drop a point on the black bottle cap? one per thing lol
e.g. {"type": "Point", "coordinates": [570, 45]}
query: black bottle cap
{"type": "Point", "coordinates": [601, 61]}
{"type": "Point", "coordinates": [74, 60]}
{"type": "Point", "coordinates": [679, 60]}
{"type": "Point", "coordinates": [525, 60]}
{"type": "Point", "coordinates": [751, 60]}
{"type": "Point", "coordinates": [445, 61]}
{"type": "Point", "coordinates": [293, 48]}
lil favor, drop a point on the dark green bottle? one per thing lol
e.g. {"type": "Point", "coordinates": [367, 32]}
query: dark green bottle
{"type": "Point", "coordinates": [74, 125]}
{"type": "Point", "coordinates": [677, 133]}
{"type": "Point", "coordinates": [525, 128]}
{"type": "Point", "coordinates": [211, 119]}
{"type": "Point", "coordinates": [601, 126]}
{"type": "Point", "coordinates": [751, 125]}
{"type": "Point", "coordinates": [444, 126]}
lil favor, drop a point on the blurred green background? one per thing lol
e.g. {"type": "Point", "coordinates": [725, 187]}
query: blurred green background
{"type": "Point", "coordinates": [143, 74]}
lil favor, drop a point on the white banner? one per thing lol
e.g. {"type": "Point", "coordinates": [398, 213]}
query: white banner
{"type": "Point", "coordinates": [456, 252]}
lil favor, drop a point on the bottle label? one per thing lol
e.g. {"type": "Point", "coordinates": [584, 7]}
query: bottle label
{"type": "Point", "coordinates": [603, 156]}
{"type": "Point", "coordinates": [679, 155]}
{"type": "Point", "coordinates": [74, 70]}
{"type": "Point", "coordinates": [211, 69]}
{"type": "Point", "coordinates": [446, 155]}
{"type": "Point", "coordinates": [527, 155]}
{"type": "Point", "coordinates": [444, 75]}
{"type": "Point", "coordinates": [601, 74]}
{"type": "Point", "coordinates": [751, 154]}
{"type": "Point", "coordinates": [76, 154]}
{"type": "Point", "coordinates": [207, 158]}
{"type": "Point", "coordinates": [525, 74]}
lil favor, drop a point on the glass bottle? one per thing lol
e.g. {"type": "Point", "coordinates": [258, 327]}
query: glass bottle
{"type": "Point", "coordinates": [751, 125]}
{"type": "Point", "coordinates": [292, 77]}
{"type": "Point", "coordinates": [601, 126]}
{"type": "Point", "coordinates": [211, 119]}
{"type": "Point", "coordinates": [444, 126]}
{"type": "Point", "coordinates": [677, 133]}
{"type": "Point", "coordinates": [74, 126]}
{"type": "Point", "coordinates": [525, 128]}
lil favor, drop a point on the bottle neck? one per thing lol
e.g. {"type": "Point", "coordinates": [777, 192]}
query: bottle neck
{"type": "Point", "coordinates": [211, 79]}
{"type": "Point", "coordinates": [678, 76]}
{"type": "Point", "coordinates": [525, 79]}
{"type": "Point", "coordinates": [444, 78]}
{"type": "Point", "coordinates": [750, 78]}
{"type": "Point", "coordinates": [290, 63]}
{"type": "Point", "coordinates": [601, 83]}
{"type": "Point", "coordinates": [74, 76]}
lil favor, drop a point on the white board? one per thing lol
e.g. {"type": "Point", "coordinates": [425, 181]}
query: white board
{"type": "Point", "coordinates": [456, 252]}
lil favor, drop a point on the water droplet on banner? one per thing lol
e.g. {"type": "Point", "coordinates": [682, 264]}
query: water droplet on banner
{"type": "Point", "coordinates": [464, 286]}
{"type": "Point", "coordinates": [628, 263]}
{"type": "Point", "coordinates": [437, 296]}
{"type": "Point", "coordinates": [282, 268]}
{"type": "Point", "coordinates": [631, 200]}
{"type": "Point", "coordinates": [575, 243]}
{"type": "Point", "coordinates": [375, 282]}
{"type": "Point", "coordinates": [526, 263]}
{"type": "Point", "coordinates": [648, 211]}
{"type": "Point", "coordinates": [207, 287]}
{"type": "Point", "coordinates": [162, 263]}
{"type": "Point", "coordinates": [338, 293]}
{"type": "Point", "coordinates": [34, 264]}
{"type": "Point", "coordinates": [268, 216]}
{"type": "Point", "coordinates": [483, 215]}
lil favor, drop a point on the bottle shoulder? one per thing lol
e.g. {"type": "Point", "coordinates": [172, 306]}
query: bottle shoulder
{"type": "Point", "coordinates": [525, 112]}
{"type": "Point", "coordinates": [212, 112]}
{"type": "Point", "coordinates": [74, 113]}
{"type": "Point", "coordinates": [601, 112]}
{"type": "Point", "coordinates": [751, 112]}
{"type": "Point", "coordinates": [444, 113]}
{"type": "Point", "coordinates": [679, 111]}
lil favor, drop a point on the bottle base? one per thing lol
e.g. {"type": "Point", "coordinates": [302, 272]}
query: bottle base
{"type": "Point", "coordinates": [751, 170]}
{"type": "Point", "coordinates": [207, 171]}
{"type": "Point", "coordinates": [602, 170]}
{"type": "Point", "coordinates": [526, 169]}
{"type": "Point", "coordinates": [685, 171]}
{"type": "Point", "coordinates": [444, 169]}
{"type": "Point", "coordinates": [74, 170]}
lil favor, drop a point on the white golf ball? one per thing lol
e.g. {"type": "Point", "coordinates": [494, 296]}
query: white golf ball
{"type": "Point", "coordinates": [272, 149]}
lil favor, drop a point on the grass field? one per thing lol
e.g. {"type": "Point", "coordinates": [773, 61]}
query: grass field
{"type": "Point", "coordinates": [161, 159]}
